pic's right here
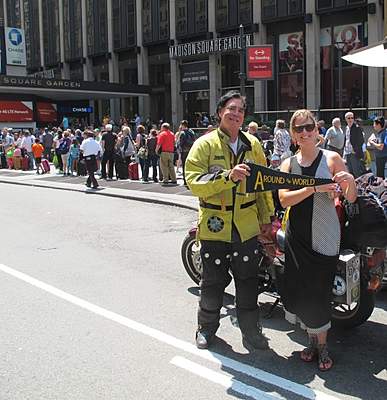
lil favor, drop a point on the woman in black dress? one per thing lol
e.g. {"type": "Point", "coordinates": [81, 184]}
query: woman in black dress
{"type": "Point", "coordinates": [312, 236]}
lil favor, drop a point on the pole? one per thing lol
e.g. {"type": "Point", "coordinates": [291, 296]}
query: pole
{"type": "Point", "coordinates": [340, 77]}
{"type": "Point", "coordinates": [385, 69]}
{"type": "Point", "coordinates": [242, 61]}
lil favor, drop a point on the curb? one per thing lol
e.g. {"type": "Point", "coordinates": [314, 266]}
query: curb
{"type": "Point", "coordinates": [137, 197]}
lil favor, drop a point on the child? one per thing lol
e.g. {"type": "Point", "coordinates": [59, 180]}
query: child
{"type": "Point", "coordinates": [37, 151]}
{"type": "Point", "coordinates": [73, 158]}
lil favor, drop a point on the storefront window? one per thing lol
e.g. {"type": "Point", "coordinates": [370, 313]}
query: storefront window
{"type": "Point", "coordinates": [335, 42]}
{"type": "Point", "coordinates": [291, 70]}
{"type": "Point", "coordinates": [196, 105]}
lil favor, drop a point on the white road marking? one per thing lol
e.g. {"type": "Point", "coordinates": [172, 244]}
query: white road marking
{"type": "Point", "coordinates": [224, 380]}
{"type": "Point", "coordinates": [256, 373]}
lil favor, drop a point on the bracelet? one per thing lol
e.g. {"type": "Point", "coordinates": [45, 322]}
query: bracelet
{"type": "Point", "coordinates": [314, 189]}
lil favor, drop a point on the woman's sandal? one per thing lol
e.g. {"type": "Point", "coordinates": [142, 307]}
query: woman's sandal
{"type": "Point", "coordinates": [325, 363]}
{"type": "Point", "coordinates": [309, 354]}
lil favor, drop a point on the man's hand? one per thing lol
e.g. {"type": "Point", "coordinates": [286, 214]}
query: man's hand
{"type": "Point", "coordinates": [239, 172]}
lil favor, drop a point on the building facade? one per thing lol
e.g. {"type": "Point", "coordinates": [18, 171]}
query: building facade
{"type": "Point", "coordinates": [188, 51]}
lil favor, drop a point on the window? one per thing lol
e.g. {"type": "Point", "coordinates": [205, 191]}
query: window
{"type": "Point", "coordinates": [96, 17]}
{"type": "Point", "coordinates": [181, 17]}
{"type": "Point", "coordinates": [146, 21]}
{"type": "Point", "coordinates": [221, 14]}
{"type": "Point", "coordinates": [13, 13]}
{"type": "Point", "coordinates": [201, 16]}
{"type": "Point", "coordinates": [51, 32]}
{"type": "Point", "coordinates": [124, 23]}
{"type": "Point", "coordinates": [72, 14]}
{"type": "Point", "coordinates": [32, 32]}
{"type": "Point", "coordinates": [164, 20]}
{"type": "Point", "coordinates": [245, 12]}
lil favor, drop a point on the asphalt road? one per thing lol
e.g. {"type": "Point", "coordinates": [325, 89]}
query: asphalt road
{"type": "Point", "coordinates": [95, 304]}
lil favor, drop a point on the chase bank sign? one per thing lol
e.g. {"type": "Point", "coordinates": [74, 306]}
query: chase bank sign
{"type": "Point", "coordinates": [15, 47]}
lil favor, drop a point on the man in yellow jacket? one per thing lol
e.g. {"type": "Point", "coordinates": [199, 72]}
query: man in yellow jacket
{"type": "Point", "coordinates": [229, 221]}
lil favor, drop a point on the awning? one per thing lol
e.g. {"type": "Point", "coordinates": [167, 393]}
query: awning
{"type": "Point", "coordinates": [60, 89]}
{"type": "Point", "coordinates": [374, 55]}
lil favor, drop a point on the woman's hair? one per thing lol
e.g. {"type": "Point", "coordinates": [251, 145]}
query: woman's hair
{"type": "Point", "coordinates": [75, 141]}
{"type": "Point", "coordinates": [380, 121]}
{"type": "Point", "coordinates": [141, 129]}
{"type": "Point", "coordinates": [126, 130]}
{"type": "Point", "coordinates": [280, 124]}
{"type": "Point", "coordinates": [336, 119]}
{"type": "Point", "coordinates": [153, 132]}
{"type": "Point", "coordinates": [305, 114]}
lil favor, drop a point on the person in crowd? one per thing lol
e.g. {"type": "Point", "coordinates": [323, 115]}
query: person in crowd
{"type": "Point", "coordinates": [64, 150]}
{"type": "Point", "coordinates": [177, 155]}
{"type": "Point", "coordinates": [129, 148]}
{"type": "Point", "coordinates": [152, 159]}
{"type": "Point", "coordinates": [108, 142]}
{"type": "Point", "coordinates": [252, 128]}
{"type": "Point", "coordinates": [90, 149]}
{"type": "Point", "coordinates": [229, 224]}
{"type": "Point", "coordinates": [8, 140]}
{"type": "Point", "coordinates": [334, 138]}
{"type": "Point", "coordinates": [56, 144]}
{"type": "Point", "coordinates": [141, 149]}
{"type": "Point", "coordinates": [321, 128]}
{"type": "Point", "coordinates": [379, 144]}
{"type": "Point", "coordinates": [282, 141]}
{"type": "Point", "coordinates": [186, 141]}
{"type": "Point", "coordinates": [78, 136]}
{"type": "Point", "coordinates": [137, 120]}
{"type": "Point", "coordinates": [312, 236]}
{"type": "Point", "coordinates": [38, 150]}
{"type": "Point", "coordinates": [47, 141]}
{"type": "Point", "coordinates": [26, 146]}
{"type": "Point", "coordinates": [72, 165]}
{"type": "Point", "coordinates": [165, 146]}
{"type": "Point", "coordinates": [353, 152]}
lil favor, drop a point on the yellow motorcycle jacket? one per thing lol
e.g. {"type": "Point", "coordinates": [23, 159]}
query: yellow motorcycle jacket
{"type": "Point", "coordinates": [224, 205]}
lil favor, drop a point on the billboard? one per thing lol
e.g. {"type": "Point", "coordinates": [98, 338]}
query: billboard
{"type": "Point", "coordinates": [260, 62]}
{"type": "Point", "coordinates": [16, 111]}
{"type": "Point", "coordinates": [15, 46]}
{"type": "Point", "coordinates": [195, 76]}
{"type": "Point", "coordinates": [291, 52]}
{"type": "Point", "coordinates": [46, 112]}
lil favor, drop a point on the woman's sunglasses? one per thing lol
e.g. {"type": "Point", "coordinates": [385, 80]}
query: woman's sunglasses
{"type": "Point", "coordinates": [307, 127]}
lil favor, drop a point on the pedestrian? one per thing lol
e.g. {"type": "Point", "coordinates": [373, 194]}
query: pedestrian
{"type": "Point", "coordinates": [141, 149]}
{"type": "Point", "coordinates": [64, 150]}
{"type": "Point", "coordinates": [252, 128]}
{"type": "Point", "coordinates": [165, 146]}
{"type": "Point", "coordinates": [56, 143]}
{"type": "Point", "coordinates": [334, 138]}
{"type": "Point", "coordinates": [38, 150]}
{"type": "Point", "coordinates": [108, 142]}
{"type": "Point", "coordinates": [72, 165]}
{"type": "Point", "coordinates": [281, 141]}
{"type": "Point", "coordinates": [152, 159]}
{"type": "Point", "coordinates": [229, 223]}
{"type": "Point", "coordinates": [186, 140]}
{"type": "Point", "coordinates": [353, 147]}
{"type": "Point", "coordinates": [312, 237]}
{"type": "Point", "coordinates": [47, 141]}
{"type": "Point", "coordinates": [379, 144]}
{"type": "Point", "coordinates": [90, 150]}
{"type": "Point", "coordinates": [26, 145]}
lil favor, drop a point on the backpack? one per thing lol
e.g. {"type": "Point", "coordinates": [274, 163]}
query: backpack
{"type": "Point", "coordinates": [64, 147]}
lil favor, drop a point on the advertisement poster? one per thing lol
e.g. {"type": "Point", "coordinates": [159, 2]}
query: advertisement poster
{"type": "Point", "coordinates": [15, 46]}
{"type": "Point", "coordinates": [16, 111]}
{"type": "Point", "coordinates": [46, 112]}
{"type": "Point", "coordinates": [260, 62]}
{"type": "Point", "coordinates": [291, 52]}
{"type": "Point", "coordinates": [195, 76]}
{"type": "Point", "coordinates": [352, 35]}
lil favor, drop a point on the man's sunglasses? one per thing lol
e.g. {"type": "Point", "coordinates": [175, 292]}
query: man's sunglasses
{"type": "Point", "coordinates": [307, 127]}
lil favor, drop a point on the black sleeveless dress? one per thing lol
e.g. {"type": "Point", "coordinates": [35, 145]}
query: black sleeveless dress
{"type": "Point", "coordinates": [311, 254]}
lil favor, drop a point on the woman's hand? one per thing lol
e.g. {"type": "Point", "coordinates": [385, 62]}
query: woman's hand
{"type": "Point", "coordinates": [346, 181]}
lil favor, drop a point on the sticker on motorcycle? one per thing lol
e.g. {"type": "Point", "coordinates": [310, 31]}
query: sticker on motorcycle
{"type": "Point", "coordinates": [215, 224]}
{"type": "Point", "coordinates": [339, 286]}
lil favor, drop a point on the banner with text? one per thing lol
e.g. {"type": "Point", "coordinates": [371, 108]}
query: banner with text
{"type": "Point", "coordinates": [262, 179]}
{"type": "Point", "coordinates": [260, 62]}
{"type": "Point", "coordinates": [16, 111]}
{"type": "Point", "coordinates": [195, 76]}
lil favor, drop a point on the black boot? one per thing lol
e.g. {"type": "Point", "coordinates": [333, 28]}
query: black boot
{"type": "Point", "coordinates": [203, 339]}
{"type": "Point", "coordinates": [252, 336]}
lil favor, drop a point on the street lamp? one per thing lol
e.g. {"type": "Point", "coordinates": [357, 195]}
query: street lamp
{"type": "Point", "coordinates": [242, 61]}
{"type": "Point", "coordinates": [340, 47]}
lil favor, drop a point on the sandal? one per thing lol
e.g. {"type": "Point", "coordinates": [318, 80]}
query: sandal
{"type": "Point", "coordinates": [310, 353]}
{"type": "Point", "coordinates": [325, 363]}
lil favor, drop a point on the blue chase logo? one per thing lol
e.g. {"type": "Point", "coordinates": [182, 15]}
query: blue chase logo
{"type": "Point", "coordinates": [15, 37]}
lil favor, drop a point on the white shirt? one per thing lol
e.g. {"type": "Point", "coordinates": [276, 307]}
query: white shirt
{"type": "Point", "coordinates": [27, 143]}
{"type": "Point", "coordinates": [90, 147]}
{"type": "Point", "coordinates": [234, 146]}
{"type": "Point", "coordinates": [348, 149]}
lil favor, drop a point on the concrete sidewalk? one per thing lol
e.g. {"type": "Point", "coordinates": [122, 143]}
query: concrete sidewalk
{"type": "Point", "coordinates": [172, 195]}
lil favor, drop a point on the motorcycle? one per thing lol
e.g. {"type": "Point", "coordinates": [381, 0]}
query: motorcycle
{"type": "Point", "coordinates": [359, 275]}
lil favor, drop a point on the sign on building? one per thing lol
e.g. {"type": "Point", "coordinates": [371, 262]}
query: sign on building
{"type": "Point", "coordinates": [46, 112]}
{"type": "Point", "coordinates": [195, 76]}
{"type": "Point", "coordinates": [15, 46]}
{"type": "Point", "coordinates": [16, 111]}
{"type": "Point", "coordinates": [260, 62]}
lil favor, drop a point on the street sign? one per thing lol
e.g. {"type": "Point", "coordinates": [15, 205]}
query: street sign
{"type": "Point", "coordinates": [260, 62]}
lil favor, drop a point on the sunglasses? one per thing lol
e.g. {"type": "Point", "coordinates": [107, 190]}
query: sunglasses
{"type": "Point", "coordinates": [307, 127]}
{"type": "Point", "coordinates": [349, 118]}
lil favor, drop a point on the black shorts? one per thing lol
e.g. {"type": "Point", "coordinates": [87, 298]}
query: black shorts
{"type": "Point", "coordinates": [38, 160]}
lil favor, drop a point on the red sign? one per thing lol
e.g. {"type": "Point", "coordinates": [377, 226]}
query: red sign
{"type": "Point", "coordinates": [46, 112]}
{"type": "Point", "coordinates": [260, 62]}
{"type": "Point", "coordinates": [16, 111]}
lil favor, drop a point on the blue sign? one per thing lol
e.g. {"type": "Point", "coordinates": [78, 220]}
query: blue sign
{"type": "Point", "coordinates": [15, 37]}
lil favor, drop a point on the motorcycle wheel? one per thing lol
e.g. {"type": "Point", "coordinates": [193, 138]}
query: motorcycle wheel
{"type": "Point", "coordinates": [345, 317]}
{"type": "Point", "coordinates": [190, 254]}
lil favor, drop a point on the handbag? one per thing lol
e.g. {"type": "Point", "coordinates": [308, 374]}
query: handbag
{"type": "Point", "coordinates": [142, 152]}
{"type": "Point", "coordinates": [129, 148]}
{"type": "Point", "coordinates": [55, 161]}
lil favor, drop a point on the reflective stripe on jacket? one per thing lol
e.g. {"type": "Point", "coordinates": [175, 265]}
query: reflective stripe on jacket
{"type": "Point", "coordinates": [223, 202]}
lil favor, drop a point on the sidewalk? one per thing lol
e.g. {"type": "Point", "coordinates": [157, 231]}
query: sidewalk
{"type": "Point", "coordinates": [173, 195]}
